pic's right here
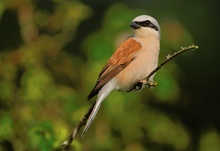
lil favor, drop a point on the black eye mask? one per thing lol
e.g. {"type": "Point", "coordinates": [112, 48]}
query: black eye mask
{"type": "Point", "coordinates": [147, 23]}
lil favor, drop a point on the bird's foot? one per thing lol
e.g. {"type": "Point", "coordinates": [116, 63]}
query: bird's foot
{"type": "Point", "coordinates": [141, 83]}
{"type": "Point", "coordinates": [149, 83]}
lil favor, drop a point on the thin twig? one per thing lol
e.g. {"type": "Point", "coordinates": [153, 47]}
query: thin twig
{"type": "Point", "coordinates": [82, 122]}
{"type": "Point", "coordinates": [168, 58]}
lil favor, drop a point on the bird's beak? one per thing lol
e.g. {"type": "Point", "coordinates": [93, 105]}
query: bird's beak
{"type": "Point", "coordinates": [134, 25]}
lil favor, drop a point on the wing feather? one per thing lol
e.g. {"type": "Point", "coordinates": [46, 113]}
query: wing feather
{"type": "Point", "coordinates": [121, 58]}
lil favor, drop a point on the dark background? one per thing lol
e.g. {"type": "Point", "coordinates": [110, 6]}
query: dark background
{"type": "Point", "coordinates": [52, 51]}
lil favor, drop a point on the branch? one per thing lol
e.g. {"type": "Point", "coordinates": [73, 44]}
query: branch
{"type": "Point", "coordinates": [66, 144]}
{"type": "Point", "coordinates": [168, 58]}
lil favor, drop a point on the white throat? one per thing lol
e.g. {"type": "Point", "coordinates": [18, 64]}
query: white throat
{"type": "Point", "coordinates": [147, 33]}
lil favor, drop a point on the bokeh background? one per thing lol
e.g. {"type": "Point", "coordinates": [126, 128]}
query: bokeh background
{"type": "Point", "coordinates": [51, 52]}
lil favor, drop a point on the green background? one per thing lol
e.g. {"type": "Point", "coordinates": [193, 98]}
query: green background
{"type": "Point", "coordinates": [51, 52]}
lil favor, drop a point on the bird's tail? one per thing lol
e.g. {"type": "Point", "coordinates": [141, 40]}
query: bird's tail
{"type": "Point", "coordinates": [103, 93]}
{"type": "Point", "coordinates": [91, 117]}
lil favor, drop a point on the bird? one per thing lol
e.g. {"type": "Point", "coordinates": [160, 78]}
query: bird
{"type": "Point", "coordinates": [131, 63]}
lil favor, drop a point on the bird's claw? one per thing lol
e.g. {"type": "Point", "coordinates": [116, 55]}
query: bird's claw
{"type": "Point", "coordinates": [149, 83]}
{"type": "Point", "coordinates": [139, 85]}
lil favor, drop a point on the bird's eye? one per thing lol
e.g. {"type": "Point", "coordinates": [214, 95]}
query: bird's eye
{"type": "Point", "coordinates": [146, 23]}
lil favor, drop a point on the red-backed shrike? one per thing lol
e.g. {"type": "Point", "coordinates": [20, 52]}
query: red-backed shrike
{"type": "Point", "coordinates": [131, 62]}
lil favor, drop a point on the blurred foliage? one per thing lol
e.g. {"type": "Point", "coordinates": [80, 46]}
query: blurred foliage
{"type": "Point", "coordinates": [52, 51]}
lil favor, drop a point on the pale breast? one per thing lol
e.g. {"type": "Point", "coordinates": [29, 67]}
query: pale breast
{"type": "Point", "coordinates": [145, 61]}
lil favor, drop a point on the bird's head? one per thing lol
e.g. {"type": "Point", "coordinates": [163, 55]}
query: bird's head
{"type": "Point", "coordinates": [145, 26]}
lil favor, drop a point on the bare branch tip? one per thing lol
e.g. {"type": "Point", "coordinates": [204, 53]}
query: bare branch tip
{"type": "Point", "coordinates": [193, 47]}
{"type": "Point", "coordinates": [196, 46]}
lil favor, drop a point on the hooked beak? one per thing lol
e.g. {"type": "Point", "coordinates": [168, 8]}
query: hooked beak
{"type": "Point", "coordinates": [134, 25]}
